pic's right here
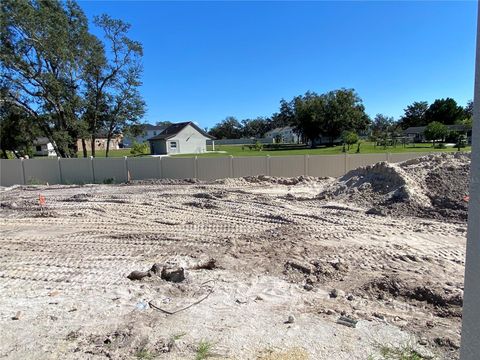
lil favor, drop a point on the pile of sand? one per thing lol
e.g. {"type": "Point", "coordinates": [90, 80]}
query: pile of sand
{"type": "Point", "coordinates": [432, 186]}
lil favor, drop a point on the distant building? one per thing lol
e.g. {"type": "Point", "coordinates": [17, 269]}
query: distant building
{"type": "Point", "coordinates": [149, 132]}
{"type": "Point", "coordinates": [181, 138]}
{"type": "Point", "coordinates": [43, 147]}
{"type": "Point", "coordinates": [283, 135]}
{"type": "Point", "coordinates": [101, 142]}
{"type": "Point", "coordinates": [417, 133]}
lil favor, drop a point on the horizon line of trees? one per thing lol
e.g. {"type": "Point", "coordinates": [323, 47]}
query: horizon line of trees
{"type": "Point", "coordinates": [340, 113]}
{"type": "Point", "coordinates": [61, 81]}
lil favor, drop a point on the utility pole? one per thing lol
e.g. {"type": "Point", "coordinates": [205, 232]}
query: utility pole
{"type": "Point", "coordinates": [470, 346]}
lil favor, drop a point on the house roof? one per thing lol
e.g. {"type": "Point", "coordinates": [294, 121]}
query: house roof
{"type": "Point", "coordinates": [421, 129]}
{"type": "Point", "coordinates": [174, 129]}
{"type": "Point", "coordinates": [153, 127]}
{"type": "Point", "coordinates": [279, 130]}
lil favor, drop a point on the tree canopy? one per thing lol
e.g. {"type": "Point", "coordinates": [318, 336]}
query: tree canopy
{"type": "Point", "coordinates": [69, 82]}
{"type": "Point", "coordinates": [445, 111]}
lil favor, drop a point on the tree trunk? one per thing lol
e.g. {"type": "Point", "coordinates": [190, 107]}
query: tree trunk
{"type": "Point", "coordinates": [84, 148]}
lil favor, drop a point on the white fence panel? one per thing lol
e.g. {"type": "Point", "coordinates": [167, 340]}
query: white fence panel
{"type": "Point", "coordinates": [287, 166]}
{"type": "Point", "coordinates": [38, 171]}
{"type": "Point", "coordinates": [214, 168]}
{"type": "Point", "coordinates": [109, 170]}
{"type": "Point", "coordinates": [144, 168]}
{"type": "Point", "coordinates": [178, 168]}
{"type": "Point", "coordinates": [326, 165]}
{"type": "Point", "coordinates": [11, 172]}
{"type": "Point", "coordinates": [77, 171]}
{"type": "Point", "coordinates": [250, 166]}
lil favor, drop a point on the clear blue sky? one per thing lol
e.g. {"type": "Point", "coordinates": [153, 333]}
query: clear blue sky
{"type": "Point", "coordinates": [204, 61]}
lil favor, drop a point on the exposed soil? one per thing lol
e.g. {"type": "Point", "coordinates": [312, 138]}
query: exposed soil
{"type": "Point", "coordinates": [270, 265]}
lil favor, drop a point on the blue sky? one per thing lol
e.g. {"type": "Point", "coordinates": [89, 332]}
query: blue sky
{"type": "Point", "coordinates": [204, 61]}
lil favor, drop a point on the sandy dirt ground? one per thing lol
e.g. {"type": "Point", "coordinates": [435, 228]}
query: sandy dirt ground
{"type": "Point", "coordinates": [291, 256]}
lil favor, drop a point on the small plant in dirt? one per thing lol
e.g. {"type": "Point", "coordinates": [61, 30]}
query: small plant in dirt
{"type": "Point", "coordinates": [144, 354]}
{"type": "Point", "coordinates": [109, 181]}
{"type": "Point", "coordinates": [204, 350]}
{"type": "Point", "coordinates": [400, 353]}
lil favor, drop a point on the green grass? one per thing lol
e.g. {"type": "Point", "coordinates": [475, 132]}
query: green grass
{"type": "Point", "coordinates": [402, 353]}
{"type": "Point", "coordinates": [365, 148]}
{"type": "Point", "coordinates": [111, 153]}
{"type": "Point", "coordinates": [204, 350]}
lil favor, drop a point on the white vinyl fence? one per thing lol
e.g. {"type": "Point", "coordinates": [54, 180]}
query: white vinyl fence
{"type": "Point", "coordinates": [118, 170]}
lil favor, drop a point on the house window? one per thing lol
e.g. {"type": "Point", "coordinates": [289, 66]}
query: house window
{"type": "Point", "coordinates": [173, 144]}
{"type": "Point", "coordinates": [39, 148]}
{"type": "Point", "coordinates": [154, 133]}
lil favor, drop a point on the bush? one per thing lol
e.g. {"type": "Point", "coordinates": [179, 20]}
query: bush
{"type": "Point", "coordinates": [140, 148]}
{"type": "Point", "coordinates": [349, 138]}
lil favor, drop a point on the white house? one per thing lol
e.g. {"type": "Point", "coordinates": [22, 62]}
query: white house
{"type": "Point", "coordinates": [149, 132]}
{"type": "Point", "coordinates": [283, 135]}
{"type": "Point", "coordinates": [181, 138]}
{"type": "Point", "coordinates": [43, 147]}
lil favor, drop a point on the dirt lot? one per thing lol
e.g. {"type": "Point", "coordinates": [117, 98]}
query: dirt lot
{"type": "Point", "coordinates": [384, 246]}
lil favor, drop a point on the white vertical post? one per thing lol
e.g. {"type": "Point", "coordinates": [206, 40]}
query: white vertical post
{"type": "Point", "coordinates": [159, 168]}
{"type": "Point", "coordinates": [346, 163]}
{"type": "Point", "coordinates": [195, 167]}
{"type": "Point", "coordinates": [231, 166]}
{"type": "Point", "coordinates": [93, 169]}
{"type": "Point", "coordinates": [60, 170]}
{"type": "Point", "coordinates": [470, 346]}
{"type": "Point", "coordinates": [305, 164]}
{"type": "Point", "coordinates": [23, 172]}
{"type": "Point", "coordinates": [127, 177]}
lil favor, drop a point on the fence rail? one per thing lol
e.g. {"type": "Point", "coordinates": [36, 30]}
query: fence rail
{"type": "Point", "coordinates": [109, 170]}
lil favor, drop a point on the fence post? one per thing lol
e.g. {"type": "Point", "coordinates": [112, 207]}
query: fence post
{"type": "Point", "coordinates": [127, 177]}
{"type": "Point", "coordinates": [195, 167]}
{"type": "Point", "coordinates": [305, 163]}
{"type": "Point", "coordinates": [60, 170]}
{"type": "Point", "coordinates": [23, 172]}
{"type": "Point", "coordinates": [267, 159]}
{"type": "Point", "coordinates": [159, 168]}
{"type": "Point", "coordinates": [346, 163]}
{"type": "Point", "coordinates": [93, 169]}
{"type": "Point", "coordinates": [231, 172]}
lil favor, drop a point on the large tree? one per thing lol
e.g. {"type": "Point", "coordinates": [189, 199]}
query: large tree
{"type": "Point", "coordinates": [445, 111]}
{"type": "Point", "coordinates": [255, 128]}
{"type": "Point", "coordinates": [112, 81]}
{"type": "Point", "coordinates": [436, 131]}
{"type": "Point", "coordinates": [43, 52]}
{"type": "Point", "coordinates": [414, 115]}
{"type": "Point", "coordinates": [229, 128]}
{"type": "Point", "coordinates": [63, 77]}
{"type": "Point", "coordinates": [382, 124]}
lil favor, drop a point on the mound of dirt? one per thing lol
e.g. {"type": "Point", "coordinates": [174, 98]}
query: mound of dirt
{"type": "Point", "coordinates": [432, 186]}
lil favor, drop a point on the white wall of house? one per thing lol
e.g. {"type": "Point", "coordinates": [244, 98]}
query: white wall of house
{"type": "Point", "coordinates": [128, 141]}
{"type": "Point", "coordinates": [188, 141]}
{"type": "Point", "coordinates": [45, 150]}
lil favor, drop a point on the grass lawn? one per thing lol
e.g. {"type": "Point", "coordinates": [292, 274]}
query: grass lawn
{"type": "Point", "coordinates": [365, 148]}
{"type": "Point", "coordinates": [111, 153]}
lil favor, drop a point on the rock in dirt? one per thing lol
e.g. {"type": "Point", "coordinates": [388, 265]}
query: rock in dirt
{"type": "Point", "coordinates": [17, 316]}
{"type": "Point", "coordinates": [290, 320]}
{"type": "Point", "coordinates": [173, 274]}
{"type": "Point", "coordinates": [210, 264]}
{"type": "Point", "coordinates": [156, 268]}
{"type": "Point", "coordinates": [138, 275]}
{"type": "Point", "coordinates": [347, 321]}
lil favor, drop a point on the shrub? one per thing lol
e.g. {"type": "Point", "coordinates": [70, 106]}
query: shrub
{"type": "Point", "coordinates": [140, 148]}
